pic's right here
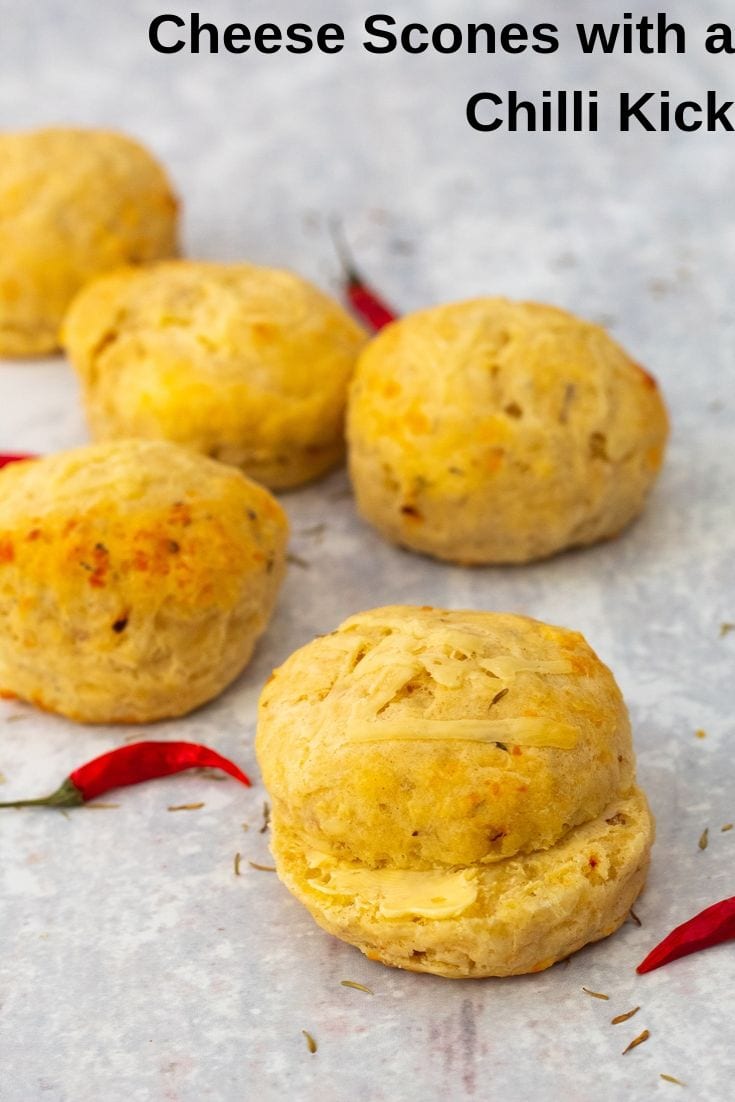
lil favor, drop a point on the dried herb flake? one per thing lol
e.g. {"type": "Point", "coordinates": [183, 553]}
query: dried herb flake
{"type": "Point", "coordinates": [624, 1017]}
{"type": "Point", "coordinates": [357, 986]}
{"type": "Point", "coordinates": [639, 1040]}
{"type": "Point", "coordinates": [704, 838]}
{"type": "Point", "coordinates": [310, 1042]}
{"type": "Point", "coordinates": [725, 827]}
{"type": "Point", "coordinates": [634, 916]}
{"type": "Point", "coordinates": [185, 807]}
{"type": "Point", "coordinates": [595, 994]}
{"type": "Point", "coordinates": [266, 818]}
{"type": "Point", "coordinates": [238, 859]}
{"type": "Point", "coordinates": [262, 868]}
{"type": "Point", "coordinates": [672, 1079]}
{"type": "Point", "coordinates": [725, 628]}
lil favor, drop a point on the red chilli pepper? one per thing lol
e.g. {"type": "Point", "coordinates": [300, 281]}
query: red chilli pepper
{"type": "Point", "coordinates": [710, 927]}
{"type": "Point", "coordinates": [366, 303]}
{"type": "Point", "coordinates": [140, 761]}
{"type": "Point", "coordinates": [8, 457]}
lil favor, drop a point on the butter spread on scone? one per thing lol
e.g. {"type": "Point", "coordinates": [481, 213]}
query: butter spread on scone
{"type": "Point", "coordinates": [74, 203]}
{"type": "Point", "coordinates": [493, 431]}
{"type": "Point", "coordinates": [135, 579]}
{"type": "Point", "coordinates": [249, 365]}
{"type": "Point", "coordinates": [454, 792]}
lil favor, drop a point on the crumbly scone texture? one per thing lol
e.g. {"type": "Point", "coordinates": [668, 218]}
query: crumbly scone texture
{"type": "Point", "coordinates": [74, 203]}
{"type": "Point", "coordinates": [249, 365]}
{"type": "Point", "coordinates": [425, 766]}
{"type": "Point", "coordinates": [135, 579]}
{"type": "Point", "coordinates": [493, 431]}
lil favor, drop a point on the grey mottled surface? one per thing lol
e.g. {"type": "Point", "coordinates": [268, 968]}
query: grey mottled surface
{"type": "Point", "coordinates": [134, 964]}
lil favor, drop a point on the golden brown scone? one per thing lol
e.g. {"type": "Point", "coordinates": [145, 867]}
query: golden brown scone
{"type": "Point", "coordinates": [498, 432]}
{"type": "Point", "coordinates": [454, 792]}
{"type": "Point", "coordinates": [135, 579]}
{"type": "Point", "coordinates": [73, 204]}
{"type": "Point", "coordinates": [246, 364]}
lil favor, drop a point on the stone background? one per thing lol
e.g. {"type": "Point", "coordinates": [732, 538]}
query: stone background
{"type": "Point", "coordinates": [134, 965]}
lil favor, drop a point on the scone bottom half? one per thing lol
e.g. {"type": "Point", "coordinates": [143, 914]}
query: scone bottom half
{"type": "Point", "coordinates": [454, 792]}
{"type": "Point", "coordinates": [135, 579]}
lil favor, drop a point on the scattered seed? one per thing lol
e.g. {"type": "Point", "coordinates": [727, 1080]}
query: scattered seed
{"type": "Point", "coordinates": [262, 868]}
{"type": "Point", "coordinates": [639, 1040]}
{"type": "Point", "coordinates": [726, 628]}
{"type": "Point", "coordinates": [704, 838]}
{"type": "Point", "coordinates": [672, 1079]}
{"type": "Point", "coordinates": [185, 807]}
{"type": "Point", "coordinates": [210, 774]}
{"type": "Point", "coordinates": [238, 859]}
{"type": "Point", "coordinates": [726, 826]}
{"type": "Point", "coordinates": [700, 733]}
{"type": "Point", "coordinates": [357, 986]}
{"type": "Point", "coordinates": [100, 806]}
{"type": "Point", "coordinates": [595, 994]}
{"type": "Point", "coordinates": [634, 916]}
{"type": "Point", "coordinates": [266, 818]}
{"type": "Point", "coordinates": [245, 826]}
{"type": "Point", "coordinates": [296, 560]}
{"type": "Point", "coordinates": [624, 1017]}
{"type": "Point", "coordinates": [310, 1042]}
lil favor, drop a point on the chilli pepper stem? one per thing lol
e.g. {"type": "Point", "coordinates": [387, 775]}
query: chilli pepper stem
{"type": "Point", "coordinates": [67, 795]}
{"type": "Point", "coordinates": [366, 303]}
{"type": "Point", "coordinates": [139, 761]}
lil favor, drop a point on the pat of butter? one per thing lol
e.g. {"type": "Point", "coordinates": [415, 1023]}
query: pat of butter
{"type": "Point", "coordinates": [400, 893]}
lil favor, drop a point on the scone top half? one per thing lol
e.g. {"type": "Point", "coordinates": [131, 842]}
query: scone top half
{"type": "Point", "coordinates": [414, 738]}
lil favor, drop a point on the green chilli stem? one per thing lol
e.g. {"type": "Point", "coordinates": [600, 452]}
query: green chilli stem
{"type": "Point", "coordinates": [68, 795]}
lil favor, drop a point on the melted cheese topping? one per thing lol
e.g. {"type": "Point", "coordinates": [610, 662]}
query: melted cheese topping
{"type": "Point", "coordinates": [522, 731]}
{"type": "Point", "coordinates": [398, 893]}
{"type": "Point", "coordinates": [454, 660]}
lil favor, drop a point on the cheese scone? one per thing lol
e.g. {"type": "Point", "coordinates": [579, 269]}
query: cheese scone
{"type": "Point", "coordinates": [73, 204]}
{"type": "Point", "coordinates": [249, 365]}
{"type": "Point", "coordinates": [500, 432]}
{"type": "Point", "coordinates": [454, 792]}
{"type": "Point", "coordinates": [135, 579]}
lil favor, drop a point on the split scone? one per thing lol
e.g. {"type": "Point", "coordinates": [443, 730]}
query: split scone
{"type": "Point", "coordinates": [248, 365]}
{"type": "Point", "coordinates": [135, 578]}
{"type": "Point", "coordinates": [454, 792]}
{"type": "Point", "coordinates": [498, 432]}
{"type": "Point", "coordinates": [73, 204]}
